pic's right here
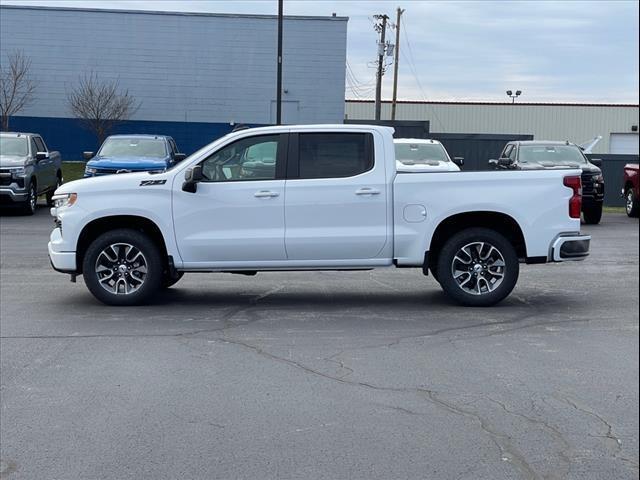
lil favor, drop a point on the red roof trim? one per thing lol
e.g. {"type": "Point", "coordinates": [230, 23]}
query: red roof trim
{"type": "Point", "coordinates": [542, 104]}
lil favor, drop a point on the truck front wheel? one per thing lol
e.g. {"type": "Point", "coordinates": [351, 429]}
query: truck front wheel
{"type": "Point", "coordinates": [123, 267]}
{"type": "Point", "coordinates": [592, 215]}
{"type": "Point", "coordinates": [478, 267]}
{"type": "Point", "coordinates": [631, 203]}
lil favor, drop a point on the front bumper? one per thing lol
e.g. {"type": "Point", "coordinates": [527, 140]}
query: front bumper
{"type": "Point", "coordinates": [10, 195]}
{"type": "Point", "coordinates": [61, 261]}
{"type": "Point", "coordinates": [570, 248]}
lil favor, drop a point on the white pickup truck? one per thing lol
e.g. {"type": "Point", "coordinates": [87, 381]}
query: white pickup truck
{"type": "Point", "coordinates": [323, 197]}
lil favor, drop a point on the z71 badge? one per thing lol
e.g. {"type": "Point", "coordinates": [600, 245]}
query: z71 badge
{"type": "Point", "coordinates": [146, 183]}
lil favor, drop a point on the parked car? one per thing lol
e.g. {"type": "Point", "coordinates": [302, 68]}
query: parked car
{"type": "Point", "coordinates": [542, 154]}
{"type": "Point", "coordinates": [345, 207]}
{"type": "Point", "coordinates": [424, 155]}
{"type": "Point", "coordinates": [27, 169]}
{"type": "Point", "coordinates": [133, 153]}
{"type": "Point", "coordinates": [630, 191]}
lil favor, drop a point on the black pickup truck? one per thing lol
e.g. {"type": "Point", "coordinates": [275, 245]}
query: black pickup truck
{"type": "Point", "coordinates": [27, 169]}
{"type": "Point", "coordinates": [540, 154]}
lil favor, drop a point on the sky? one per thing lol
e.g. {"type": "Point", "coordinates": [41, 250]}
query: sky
{"type": "Point", "coordinates": [553, 51]}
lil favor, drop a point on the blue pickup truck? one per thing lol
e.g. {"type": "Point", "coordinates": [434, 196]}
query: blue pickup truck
{"type": "Point", "coordinates": [133, 153]}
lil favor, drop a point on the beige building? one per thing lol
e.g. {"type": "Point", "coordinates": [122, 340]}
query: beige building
{"type": "Point", "coordinates": [617, 124]}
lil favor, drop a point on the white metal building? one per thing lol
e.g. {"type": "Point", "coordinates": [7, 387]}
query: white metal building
{"type": "Point", "coordinates": [617, 124]}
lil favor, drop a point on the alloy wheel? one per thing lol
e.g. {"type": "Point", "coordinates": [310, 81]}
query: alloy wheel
{"type": "Point", "coordinates": [478, 268]}
{"type": "Point", "coordinates": [121, 268]}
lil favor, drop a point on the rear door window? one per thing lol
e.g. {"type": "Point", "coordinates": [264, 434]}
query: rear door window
{"type": "Point", "coordinates": [333, 155]}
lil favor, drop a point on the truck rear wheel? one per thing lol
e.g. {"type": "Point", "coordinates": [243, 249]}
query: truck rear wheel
{"type": "Point", "coordinates": [631, 203]}
{"type": "Point", "coordinates": [478, 267]}
{"type": "Point", "coordinates": [122, 267]}
{"type": "Point", "coordinates": [592, 215]}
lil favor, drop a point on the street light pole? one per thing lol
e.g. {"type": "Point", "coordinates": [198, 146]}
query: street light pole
{"type": "Point", "coordinates": [382, 28]}
{"type": "Point", "coordinates": [279, 74]}
{"type": "Point", "coordinates": [395, 66]}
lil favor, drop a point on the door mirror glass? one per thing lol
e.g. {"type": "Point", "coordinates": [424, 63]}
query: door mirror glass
{"type": "Point", "coordinates": [192, 176]}
{"type": "Point", "coordinates": [596, 161]}
{"type": "Point", "coordinates": [458, 161]}
{"type": "Point", "coordinates": [42, 156]}
{"type": "Point", "coordinates": [87, 155]}
{"type": "Point", "coordinates": [178, 157]}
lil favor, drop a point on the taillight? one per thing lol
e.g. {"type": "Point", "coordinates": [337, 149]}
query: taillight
{"type": "Point", "coordinates": [575, 202]}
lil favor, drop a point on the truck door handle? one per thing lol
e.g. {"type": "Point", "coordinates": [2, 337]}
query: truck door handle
{"type": "Point", "coordinates": [367, 191]}
{"type": "Point", "coordinates": [266, 194]}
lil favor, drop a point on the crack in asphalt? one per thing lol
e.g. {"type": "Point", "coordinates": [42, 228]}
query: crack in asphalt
{"type": "Point", "coordinates": [608, 435]}
{"type": "Point", "coordinates": [501, 441]}
{"type": "Point", "coordinates": [555, 433]}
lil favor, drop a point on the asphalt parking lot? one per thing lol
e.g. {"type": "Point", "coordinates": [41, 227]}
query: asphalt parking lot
{"type": "Point", "coordinates": [364, 375]}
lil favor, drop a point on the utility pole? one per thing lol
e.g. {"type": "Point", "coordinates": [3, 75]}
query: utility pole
{"type": "Point", "coordinates": [279, 75]}
{"type": "Point", "coordinates": [380, 28]}
{"type": "Point", "coordinates": [395, 65]}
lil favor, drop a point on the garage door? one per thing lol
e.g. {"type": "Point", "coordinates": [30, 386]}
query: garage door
{"type": "Point", "coordinates": [624, 143]}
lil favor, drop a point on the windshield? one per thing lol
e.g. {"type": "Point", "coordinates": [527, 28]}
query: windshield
{"type": "Point", "coordinates": [412, 153]}
{"type": "Point", "coordinates": [551, 154]}
{"type": "Point", "coordinates": [14, 146]}
{"type": "Point", "coordinates": [133, 147]}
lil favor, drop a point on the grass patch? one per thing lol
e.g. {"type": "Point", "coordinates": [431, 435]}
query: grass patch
{"type": "Point", "coordinates": [72, 171]}
{"type": "Point", "coordinates": [614, 210]}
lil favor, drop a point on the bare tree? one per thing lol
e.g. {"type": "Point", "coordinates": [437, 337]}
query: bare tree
{"type": "Point", "coordinates": [100, 105]}
{"type": "Point", "coordinates": [16, 86]}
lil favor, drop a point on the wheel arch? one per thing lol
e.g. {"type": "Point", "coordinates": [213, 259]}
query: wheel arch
{"type": "Point", "coordinates": [500, 222]}
{"type": "Point", "coordinates": [97, 227]}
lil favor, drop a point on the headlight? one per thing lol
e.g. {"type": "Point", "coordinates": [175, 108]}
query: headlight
{"type": "Point", "coordinates": [18, 171]}
{"type": "Point", "coordinates": [64, 199]}
{"type": "Point", "coordinates": [90, 171]}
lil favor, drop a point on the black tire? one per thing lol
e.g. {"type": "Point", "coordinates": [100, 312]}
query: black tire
{"type": "Point", "coordinates": [150, 255]}
{"type": "Point", "coordinates": [632, 206]}
{"type": "Point", "coordinates": [53, 190]}
{"type": "Point", "coordinates": [592, 215]}
{"type": "Point", "coordinates": [502, 286]}
{"type": "Point", "coordinates": [28, 207]}
{"type": "Point", "coordinates": [169, 281]}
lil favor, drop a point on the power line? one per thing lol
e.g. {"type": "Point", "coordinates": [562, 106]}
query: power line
{"type": "Point", "coordinates": [415, 74]}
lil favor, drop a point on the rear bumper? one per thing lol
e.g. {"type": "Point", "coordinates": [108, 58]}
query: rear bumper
{"type": "Point", "coordinates": [570, 248]}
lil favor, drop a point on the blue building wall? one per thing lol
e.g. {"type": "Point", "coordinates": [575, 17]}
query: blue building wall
{"type": "Point", "coordinates": [70, 138]}
{"type": "Point", "coordinates": [194, 74]}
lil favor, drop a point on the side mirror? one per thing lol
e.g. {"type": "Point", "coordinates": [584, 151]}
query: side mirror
{"type": "Point", "coordinates": [505, 162]}
{"type": "Point", "coordinates": [42, 155]}
{"type": "Point", "coordinates": [596, 161]}
{"type": "Point", "coordinates": [87, 155]}
{"type": "Point", "coordinates": [192, 176]}
{"type": "Point", "coordinates": [493, 163]}
{"type": "Point", "coordinates": [458, 161]}
{"type": "Point", "coordinates": [178, 157]}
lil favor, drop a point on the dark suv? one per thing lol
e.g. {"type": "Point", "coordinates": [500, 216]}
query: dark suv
{"type": "Point", "coordinates": [537, 155]}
